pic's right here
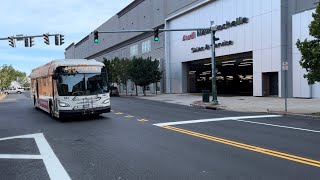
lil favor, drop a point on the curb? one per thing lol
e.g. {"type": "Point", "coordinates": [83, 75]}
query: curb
{"type": "Point", "coordinates": [293, 114]}
{"type": "Point", "coordinates": [212, 107]}
{"type": "Point", "coordinates": [2, 96]}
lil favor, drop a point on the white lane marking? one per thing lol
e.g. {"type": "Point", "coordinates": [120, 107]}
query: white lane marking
{"type": "Point", "coordinates": [18, 156]}
{"type": "Point", "coordinates": [274, 125]}
{"type": "Point", "coordinates": [51, 162]}
{"type": "Point", "coordinates": [18, 137]}
{"type": "Point", "coordinates": [214, 119]}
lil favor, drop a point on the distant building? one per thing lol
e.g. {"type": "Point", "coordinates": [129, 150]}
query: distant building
{"type": "Point", "coordinates": [15, 84]}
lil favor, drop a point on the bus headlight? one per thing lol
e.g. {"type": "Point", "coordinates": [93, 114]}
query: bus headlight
{"type": "Point", "coordinates": [63, 104]}
{"type": "Point", "coordinates": [107, 101]}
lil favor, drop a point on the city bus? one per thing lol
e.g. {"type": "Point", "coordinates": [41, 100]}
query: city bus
{"type": "Point", "coordinates": [71, 87]}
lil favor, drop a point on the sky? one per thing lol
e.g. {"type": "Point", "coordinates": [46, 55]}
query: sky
{"type": "Point", "coordinates": [73, 18]}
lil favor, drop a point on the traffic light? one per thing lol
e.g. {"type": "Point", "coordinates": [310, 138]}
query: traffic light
{"type": "Point", "coordinates": [46, 38]}
{"type": "Point", "coordinates": [31, 42]}
{"type": "Point", "coordinates": [96, 37]}
{"type": "Point", "coordinates": [26, 42]}
{"type": "Point", "coordinates": [12, 41]}
{"type": "Point", "coordinates": [56, 40]}
{"type": "Point", "coordinates": [156, 35]}
{"type": "Point", "coordinates": [61, 39]}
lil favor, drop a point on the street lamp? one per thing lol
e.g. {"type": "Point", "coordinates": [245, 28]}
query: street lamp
{"type": "Point", "coordinates": [213, 28]}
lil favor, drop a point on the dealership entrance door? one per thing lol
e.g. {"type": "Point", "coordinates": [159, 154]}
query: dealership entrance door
{"type": "Point", "coordinates": [270, 84]}
{"type": "Point", "coordinates": [234, 75]}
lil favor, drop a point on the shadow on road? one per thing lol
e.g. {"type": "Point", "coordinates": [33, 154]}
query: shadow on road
{"type": "Point", "coordinates": [82, 118]}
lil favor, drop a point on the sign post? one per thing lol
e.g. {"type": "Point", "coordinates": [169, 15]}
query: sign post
{"type": "Point", "coordinates": [285, 68]}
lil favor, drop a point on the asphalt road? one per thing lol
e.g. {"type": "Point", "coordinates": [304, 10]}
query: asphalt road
{"type": "Point", "coordinates": [125, 144]}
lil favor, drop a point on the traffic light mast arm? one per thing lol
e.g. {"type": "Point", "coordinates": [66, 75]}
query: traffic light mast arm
{"type": "Point", "coordinates": [152, 30]}
{"type": "Point", "coordinates": [20, 37]}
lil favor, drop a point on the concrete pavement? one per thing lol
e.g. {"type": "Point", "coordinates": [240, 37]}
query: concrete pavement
{"type": "Point", "coordinates": [244, 103]}
{"type": "Point", "coordinates": [126, 143]}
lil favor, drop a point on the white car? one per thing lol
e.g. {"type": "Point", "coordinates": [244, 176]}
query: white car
{"type": "Point", "coordinates": [14, 90]}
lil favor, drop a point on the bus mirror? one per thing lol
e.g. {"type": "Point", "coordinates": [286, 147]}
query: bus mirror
{"type": "Point", "coordinates": [55, 76]}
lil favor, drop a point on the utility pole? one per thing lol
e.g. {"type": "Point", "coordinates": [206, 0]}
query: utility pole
{"type": "Point", "coordinates": [213, 63]}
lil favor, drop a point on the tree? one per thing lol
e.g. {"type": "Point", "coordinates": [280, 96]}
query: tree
{"type": "Point", "coordinates": [7, 75]}
{"type": "Point", "coordinates": [143, 72]}
{"type": "Point", "coordinates": [158, 73]}
{"type": "Point", "coordinates": [109, 67]}
{"type": "Point", "coordinates": [124, 72]}
{"type": "Point", "coordinates": [310, 50]}
{"type": "Point", "coordinates": [113, 70]}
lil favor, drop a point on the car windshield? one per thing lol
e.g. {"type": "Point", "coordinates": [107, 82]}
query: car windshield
{"type": "Point", "coordinates": [82, 84]}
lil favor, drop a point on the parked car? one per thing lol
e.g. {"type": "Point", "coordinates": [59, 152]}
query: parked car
{"type": "Point", "coordinates": [114, 91]}
{"type": "Point", "coordinates": [14, 90]}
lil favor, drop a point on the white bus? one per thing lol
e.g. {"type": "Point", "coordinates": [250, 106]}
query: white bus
{"type": "Point", "coordinates": [71, 87]}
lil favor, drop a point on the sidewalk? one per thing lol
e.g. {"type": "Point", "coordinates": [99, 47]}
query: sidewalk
{"type": "Point", "coordinates": [244, 103]}
{"type": "Point", "coordinates": [2, 96]}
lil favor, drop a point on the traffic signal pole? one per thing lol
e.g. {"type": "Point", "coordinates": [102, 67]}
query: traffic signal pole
{"type": "Point", "coordinates": [213, 65]}
{"type": "Point", "coordinates": [46, 38]}
{"type": "Point", "coordinates": [152, 30]}
{"type": "Point", "coordinates": [212, 29]}
{"type": "Point", "coordinates": [20, 37]}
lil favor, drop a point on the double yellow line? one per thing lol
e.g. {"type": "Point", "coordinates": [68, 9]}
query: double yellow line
{"type": "Point", "coordinates": [290, 157]}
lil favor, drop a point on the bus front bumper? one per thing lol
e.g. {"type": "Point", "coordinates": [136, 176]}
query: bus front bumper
{"type": "Point", "coordinates": [99, 110]}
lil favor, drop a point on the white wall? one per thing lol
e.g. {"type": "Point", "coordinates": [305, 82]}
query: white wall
{"type": "Point", "coordinates": [300, 30]}
{"type": "Point", "coordinates": [262, 35]}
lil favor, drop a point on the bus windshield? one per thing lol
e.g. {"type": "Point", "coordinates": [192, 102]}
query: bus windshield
{"type": "Point", "coordinates": [82, 84]}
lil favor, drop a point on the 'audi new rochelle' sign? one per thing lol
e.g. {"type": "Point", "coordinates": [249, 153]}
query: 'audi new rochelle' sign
{"type": "Point", "coordinates": [227, 25]}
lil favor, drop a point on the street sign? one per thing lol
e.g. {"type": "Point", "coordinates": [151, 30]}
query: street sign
{"type": "Point", "coordinates": [285, 66]}
{"type": "Point", "coordinates": [19, 39]}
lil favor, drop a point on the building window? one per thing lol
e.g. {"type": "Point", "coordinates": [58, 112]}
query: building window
{"type": "Point", "coordinates": [146, 46]}
{"type": "Point", "coordinates": [134, 50]}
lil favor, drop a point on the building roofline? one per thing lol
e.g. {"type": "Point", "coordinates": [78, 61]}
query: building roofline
{"type": "Point", "coordinates": [81, 41]}
{"type": "Point", "coordinates": [188, 10]}
{"type": "Point", "coordinates": [69, 46]}
{"type": "Point", "coordinates": [129, 7]}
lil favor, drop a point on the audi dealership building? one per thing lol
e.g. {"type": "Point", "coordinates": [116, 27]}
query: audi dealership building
{"type": "Point", "coordinates": [256, 38]}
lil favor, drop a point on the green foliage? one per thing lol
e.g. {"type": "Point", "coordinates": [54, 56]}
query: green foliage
{"type": "Point", "coordinates": [9, 74]}
{"type": "Point", "coordinates": [108, 66]}
{"type": "Point", "coordinates": [310, 50]}
{"type": "Point", "coordinates": [143, 72]}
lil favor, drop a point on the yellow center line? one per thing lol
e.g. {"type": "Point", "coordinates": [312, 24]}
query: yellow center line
{"type": "Point", "coordinates": [248, 147]}
{"type": "Point", "coordinates": [129, 116]}
{"type": "Point", "coordinates": [143, 120]}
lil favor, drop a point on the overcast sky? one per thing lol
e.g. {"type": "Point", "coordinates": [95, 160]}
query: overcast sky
{"type": "Point", "coordinates": [73, 18]}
